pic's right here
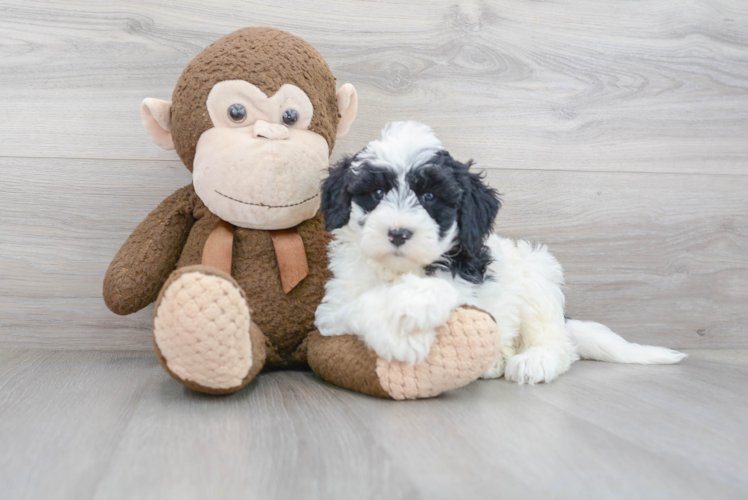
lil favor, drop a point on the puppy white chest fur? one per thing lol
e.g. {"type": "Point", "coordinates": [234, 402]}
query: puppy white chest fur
{"type": "Point", "coordinates": [396, 314]}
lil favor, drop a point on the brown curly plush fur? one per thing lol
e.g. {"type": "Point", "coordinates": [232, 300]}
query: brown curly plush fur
{"type": "Point", "coordinates": [266, 57]}
{"type": "Point", "coordinates": [173, 236]}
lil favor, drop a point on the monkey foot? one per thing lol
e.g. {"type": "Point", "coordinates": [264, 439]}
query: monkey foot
{"type": "Point", "coordinates": [203, 333]}
{"type": "Point", "coordinates": [464, 348]}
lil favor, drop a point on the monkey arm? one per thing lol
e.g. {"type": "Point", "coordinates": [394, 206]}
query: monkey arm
{"type": "Point", "coordinates": [465, 347]}
{"type": "Point", "coordinates": [143, 264]}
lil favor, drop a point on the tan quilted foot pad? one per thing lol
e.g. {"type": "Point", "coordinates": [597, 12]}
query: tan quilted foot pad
{"type": "Point", "coordinates": [465, 347]}
{"type": "Point", "coordinates": [201, 330]}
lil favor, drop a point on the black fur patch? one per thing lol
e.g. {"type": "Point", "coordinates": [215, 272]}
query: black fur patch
{"type": "Point", "coordinates": [335, 203]}
{"type": "Point", "coordinates": [342, 187]}
{"type": "Point", "coordinates": [478, 207]}
{"type": "Point", "coordinates": [367, 182]}
{"type": "Point", "coordinates": [440, 183]}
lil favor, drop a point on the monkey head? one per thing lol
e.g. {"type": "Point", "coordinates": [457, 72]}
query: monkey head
{"type": "Point", "coordinates": [254, 117]}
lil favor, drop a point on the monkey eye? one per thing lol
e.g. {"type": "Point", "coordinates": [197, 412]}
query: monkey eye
{"type": "Point", "coordinates": [427, 197]}
{"type": "Point", "coordinates": [378, 194]}
{"type": "Point", "coordinates": [290, 116]}
{"type": "Point", "coordinates": [237, 112]}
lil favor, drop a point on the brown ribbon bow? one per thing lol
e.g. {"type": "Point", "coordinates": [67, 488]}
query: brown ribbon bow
{"type": "Point", "coordinates": [289, 252]}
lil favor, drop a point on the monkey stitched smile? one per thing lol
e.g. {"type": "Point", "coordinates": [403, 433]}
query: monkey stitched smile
{"type": "Point", "coordinates": [264, 205]}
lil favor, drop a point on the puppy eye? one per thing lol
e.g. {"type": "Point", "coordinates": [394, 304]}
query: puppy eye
{"type": "Point", "coordinates": [427, 197]}
{"type": "Point", "coordinates": [378, 194]}
{"type": "Point", "coordinates": [237, 112]}
{"type": "Point", "coordinates": [290, 116]}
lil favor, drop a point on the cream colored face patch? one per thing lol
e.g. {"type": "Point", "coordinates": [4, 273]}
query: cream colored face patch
{"type": "Point", "coordinates": [258, 106]}
{"type": "Point", "coordinates": [260, 166]}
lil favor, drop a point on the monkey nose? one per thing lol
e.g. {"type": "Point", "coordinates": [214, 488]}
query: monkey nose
{"type": "Point", "coordinates": [272, 131]}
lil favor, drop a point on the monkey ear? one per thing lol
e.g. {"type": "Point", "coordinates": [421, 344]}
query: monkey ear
{"type": "Point", "coordinates": [336, 202]}
{"type": "Point", "coordinates": [156, 115]}
{"type": "Point", "coordinates": [347, 108]}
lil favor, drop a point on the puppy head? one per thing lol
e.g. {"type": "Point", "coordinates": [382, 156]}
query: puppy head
{"type": "Point", "coordinates": [408, 204]}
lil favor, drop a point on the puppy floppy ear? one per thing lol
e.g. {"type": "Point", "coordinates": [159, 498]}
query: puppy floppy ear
{"type": "Point", "coordinates": [479, 207]}
{"type": "Point", "coordinates": [336, 202]}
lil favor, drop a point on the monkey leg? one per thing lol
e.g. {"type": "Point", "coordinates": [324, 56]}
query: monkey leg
{"type": "Point", "coordinates": [464, 348]}
{"type": "Point", "coordinates": [203, 333]}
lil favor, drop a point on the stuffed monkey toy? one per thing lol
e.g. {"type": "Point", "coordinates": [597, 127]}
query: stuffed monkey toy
{"type": "Point", "coordinates": [236, 261]}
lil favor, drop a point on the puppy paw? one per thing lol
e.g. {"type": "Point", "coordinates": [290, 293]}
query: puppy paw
{"type": "Point", "coordinates": [537, 365]}
{"type": "Point", "coordinates": [419, 304]}
{"type": "Point", "coordinates": [496, 370]}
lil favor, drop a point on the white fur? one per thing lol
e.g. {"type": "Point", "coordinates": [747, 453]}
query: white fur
{"type": "Point", "coordinates": [402, 146]}
{"type": "Point", "coordinates": [382, 294]}
{"type": "Point", "coordinates": [596, 341]}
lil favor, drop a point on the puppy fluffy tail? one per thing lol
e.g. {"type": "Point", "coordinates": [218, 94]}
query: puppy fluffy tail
{"type": "Point", "coordinates": [598, 342]}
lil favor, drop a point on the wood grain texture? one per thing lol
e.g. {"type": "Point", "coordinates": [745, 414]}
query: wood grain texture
{"type": "Point", "coordinates": [85, 425]}
{"type": "Point", "coordinates": [617, 133]}
{"type": "Point", "coordinates": [587, 85]}
{"type": "Point", "coordinates": [660, 258]}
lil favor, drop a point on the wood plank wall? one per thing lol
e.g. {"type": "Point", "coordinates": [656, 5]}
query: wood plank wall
{"type": "Point", "coordinates": [616, 131]}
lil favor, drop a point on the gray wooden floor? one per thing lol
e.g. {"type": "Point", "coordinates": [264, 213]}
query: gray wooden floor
{"type": "Point", "coordinates": [88, 424]}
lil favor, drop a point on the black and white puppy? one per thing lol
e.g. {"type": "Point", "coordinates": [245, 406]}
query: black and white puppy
{"type": "Point", "coordinates": [413, 241]}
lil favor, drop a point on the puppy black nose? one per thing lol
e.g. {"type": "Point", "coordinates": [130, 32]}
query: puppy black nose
{"type": "Point", "coordinates": [398, 237]}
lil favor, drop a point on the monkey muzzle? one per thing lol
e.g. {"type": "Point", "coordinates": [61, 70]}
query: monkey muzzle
{"type": "Point", "coordinates": [264, 179]}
